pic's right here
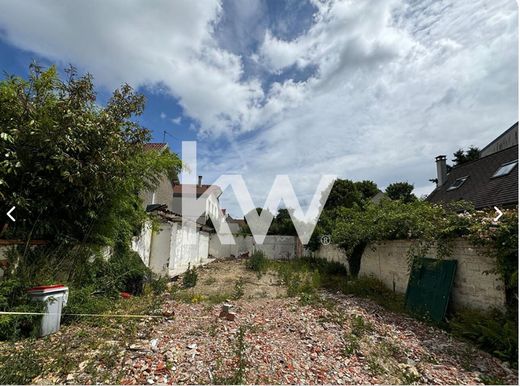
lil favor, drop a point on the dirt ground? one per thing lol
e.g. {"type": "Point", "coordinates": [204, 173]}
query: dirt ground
{"type": "Point", "coordinates": [273, 339]}
{"type": "Point", "coordinates": [221, 277]}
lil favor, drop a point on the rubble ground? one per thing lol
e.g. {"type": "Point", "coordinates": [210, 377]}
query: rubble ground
{"type": "Point", "coordinates": [272, 339]}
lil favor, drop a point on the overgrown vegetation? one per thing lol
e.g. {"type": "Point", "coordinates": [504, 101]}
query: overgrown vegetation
{"type": "Point", "coordinates": [494, 331]}
{"type": "Point", "coordinates": [258, 262]}
{"type": "Point", "coordinates": [189, 279]}
{"type": "Point", "coordinates": [73, 168]}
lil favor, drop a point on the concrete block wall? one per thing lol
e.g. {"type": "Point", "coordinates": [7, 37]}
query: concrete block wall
{"type": "Point", "coordinates": [274, 246]}
{"type": "Point", "coordinates": [472, 286]}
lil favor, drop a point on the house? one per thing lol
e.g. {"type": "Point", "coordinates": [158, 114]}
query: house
{"type": "Point", "coordinates": [491, 180]}
{"type": "Point", "coordinates": [212, 205]}
{"type": "Point", "coordinates": [162, 195]}
{"type": "Point", "coordinates": [172, 248]}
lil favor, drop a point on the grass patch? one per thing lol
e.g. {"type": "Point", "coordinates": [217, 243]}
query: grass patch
{"type": "Point", "coordinates": [258, 263]}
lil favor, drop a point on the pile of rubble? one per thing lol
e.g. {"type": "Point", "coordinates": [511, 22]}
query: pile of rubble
{"type": "Point", "coordinates": [285, 342]}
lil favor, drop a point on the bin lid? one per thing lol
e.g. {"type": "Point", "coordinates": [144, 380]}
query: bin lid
{"type": "Point", "coordinates": [45, 289]}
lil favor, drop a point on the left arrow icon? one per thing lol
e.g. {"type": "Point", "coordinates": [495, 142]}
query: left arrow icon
{"type": "Point", "coordinates": [11, 211]}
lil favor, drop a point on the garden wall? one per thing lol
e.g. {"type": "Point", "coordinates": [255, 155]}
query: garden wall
{"type": "Point", "coordinates": [472, 286]}
{"type": "Point", "coordinates": [274, 247]}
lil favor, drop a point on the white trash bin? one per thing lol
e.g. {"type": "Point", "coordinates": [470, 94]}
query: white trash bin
{"type": "Point", "coordinates": [55, 298]}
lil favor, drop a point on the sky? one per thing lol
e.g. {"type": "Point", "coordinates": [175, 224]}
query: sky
{"type": "Point", "coordinates": [361, 89]}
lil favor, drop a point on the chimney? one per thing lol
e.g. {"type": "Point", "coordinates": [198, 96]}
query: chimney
{"type": "Point", "coordinates": [200, 177]}
{"type": "Point", "coordinates": [442, 172]}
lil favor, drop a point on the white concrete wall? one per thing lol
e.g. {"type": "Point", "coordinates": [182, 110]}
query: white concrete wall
{"type": "Point", "coordinates": [203, 245]}
{"type": "Point", "coordinates": [274, 246]}
{"type": "Point", "coordinates": [142, 243]}
{"type": "Point", "coordinates": [160, 249]}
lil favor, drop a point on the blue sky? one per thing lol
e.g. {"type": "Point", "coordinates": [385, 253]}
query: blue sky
{"type": "Point", "coordinates": [364, 89]}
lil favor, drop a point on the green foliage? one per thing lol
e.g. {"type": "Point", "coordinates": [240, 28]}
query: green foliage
{"type": "Point", "coordinates": [21, 367]}
{"type": "Point", "coordinates": [367, 189]}
{"type": "Point", "coordinates": [431, 225]}
{"type": "Point", "coordinates": [283, 224]}
{"type": "Point", "coordinates": [401, 191]}
{"type": "Point", "coordinates": [86, 300]}
{"type": "Point", "coordinates": [372, 288]}
{"type": "Point", "coordinates": [14, 298]}
{"type": "Point", "coordinates": [189, 279]}
{"type": "Point", "coordinates": [461, 156]}
{"type": "Point", "coordinates": [493, 331]}
{"type": "Point", "coordinates": [258, 262]}
{"type": "Point", "coordinates": [239, 289]}
{"type": "Point", "coordinates": [500, 240]}
{"type": "Point", "coordinates": [359, 326]}
{"type": "Point", "coordinates": [71, 167]}
{"type": "Point", "coordinates": [343, 194]}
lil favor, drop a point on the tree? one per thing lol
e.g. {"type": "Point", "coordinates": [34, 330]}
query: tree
{"type": "Point", "coordinates": [71, 167]}
{"type": "Point", "coordinates": [401, 191]}
{"type": "Point", "coordinates": [368, 189]}
{"type": "Point", "coordinates": [344, 194]}
{"type": "Point", "coordinates": [283, 224]}
{"type": "Point", "coordinates": [461, 156]}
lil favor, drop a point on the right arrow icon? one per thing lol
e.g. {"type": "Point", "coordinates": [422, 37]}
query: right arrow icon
{"type": "Point", "coordinates": [499, 214]}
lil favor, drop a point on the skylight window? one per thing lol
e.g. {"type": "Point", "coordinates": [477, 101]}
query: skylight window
{"type": "Point", "coordinates": [458, 183]}
{"type": "Point", "coordinates": [505, 169]}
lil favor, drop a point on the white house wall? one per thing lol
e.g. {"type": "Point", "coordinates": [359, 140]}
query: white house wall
{"type": "Point", "coordinates": [142, 243]}
{"type": "Point", "coordinates": [160, 250]}
{"type": "Point", "coordinates": [203, 246]}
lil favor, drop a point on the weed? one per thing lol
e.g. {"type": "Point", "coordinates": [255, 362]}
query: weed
{"type": "Point", "coordinates": [493, 331]}
{"type": "Point", "coordinates": [374, 289]}
{"type": "Point", "coordinates": [239, 289]}
{"type": "Point", "coordinates": [359, 326]}
{"type": "Point", "coordinates": [258, 262]}
{"type": "Point", "coordinates": [491, 380]}
{"type": "Point", "coordinates": [351, 344]}
{"type": "Point", "coordinates": [409, 375]}
{"type": "Point", "coordinates": [189, 280]}
{"type": "Point", "coordinates": [20, 367]}
{"type": "Point", "coordinates": [238, 376]}
{"type": "Point", "coordinates": [374, 366]}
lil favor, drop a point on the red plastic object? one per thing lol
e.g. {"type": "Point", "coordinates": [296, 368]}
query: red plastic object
{"type": "Point", "coordinates": [45, 287]}
{"type": "Point", "coordinates": [125, 295]}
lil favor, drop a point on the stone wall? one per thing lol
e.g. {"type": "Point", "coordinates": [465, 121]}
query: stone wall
{"type": "Point", "coordinates": [472, 287]}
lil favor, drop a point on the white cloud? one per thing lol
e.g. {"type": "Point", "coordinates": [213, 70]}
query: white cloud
{"type": "Point", "coordinates": [177, 120]}
{"type": "Point", "coordinates": [388, 85]}
{"type": "Point", "coordinates": [163, 115]}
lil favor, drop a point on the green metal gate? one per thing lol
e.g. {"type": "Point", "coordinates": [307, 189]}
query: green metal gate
{"type": "Point", "coordinates": [429, 287]}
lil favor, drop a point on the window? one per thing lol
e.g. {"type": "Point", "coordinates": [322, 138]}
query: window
{"type": "Point", "coordinates": [505, 169]}
{"type": "Point", "coordinates": [458, 183]}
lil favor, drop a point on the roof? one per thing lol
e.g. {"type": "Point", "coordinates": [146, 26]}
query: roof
{"type": "Point", "coordinates": [376, 198]}
{"type": "Point", "coordinates": [177, 189]}
{"type": "Point", "coordinates": [480, 188]}
{"type": "Point", "coordinates": [155, 146]}
{"type": "Point", "coordinates": [501, 142]}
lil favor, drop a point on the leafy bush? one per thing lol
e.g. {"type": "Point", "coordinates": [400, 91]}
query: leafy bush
{"type": "Point", "coordinates": [85, 301]}
{"type": "Point", "coordinates": [14, 298]}
{"type": "Point", "coordinates": [493, 331]}
{"type": "Point", "coordinates": [189, 280]}
{"type": "Point", "coordinates": [258, 262]}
